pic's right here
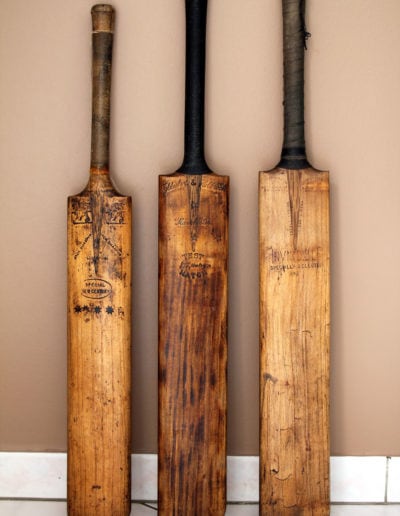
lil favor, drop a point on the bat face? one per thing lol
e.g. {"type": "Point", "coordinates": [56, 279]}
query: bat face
{"type": "Point", "coordinates": [99, 249]}
{"type": "Point", "coordinates": [97, 223]}
{"type": "Point", "coordinates": [99, 315]}
{"type": "Point", "coordinates": [294, 195]}
{"type": "Point", "coordinates": [196, 206]}
{"type": "Point", "coordinates": [294, 340]}
{"type": "Point", "coordinates": [193, 244]}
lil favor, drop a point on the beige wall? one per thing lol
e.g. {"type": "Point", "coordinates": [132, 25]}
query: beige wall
{"type": "Point", "coordinates": [352, 113]}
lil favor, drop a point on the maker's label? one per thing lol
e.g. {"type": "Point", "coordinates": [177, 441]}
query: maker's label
{"type": "Point", "coordinates": [282, 260]}
{"type": "Point", "coordinates": [95, 288]}
{"type": "Point", "coordinates": [194, 266]}
{"type": "Point", "coordinates": [82, 212]}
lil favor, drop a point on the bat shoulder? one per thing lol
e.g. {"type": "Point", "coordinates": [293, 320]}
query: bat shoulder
{"type": "Point", "coordinates": [303, 171]}
{"type": "Point", "coordinates": [100, 185]}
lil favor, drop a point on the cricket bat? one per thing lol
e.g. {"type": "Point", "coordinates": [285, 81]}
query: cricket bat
{"type": "Point", "coordinates": [294, 308]}
{"type": "Point", "coordinates": [193, 253]}
{"type": "Point", "coordinates": [99, 315]}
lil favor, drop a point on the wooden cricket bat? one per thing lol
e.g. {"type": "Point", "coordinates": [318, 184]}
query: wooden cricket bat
{"type": "Point", "coordinates": [99, 315]}
{"type": "Point", "coordinates": [193, 251]}
{"type": "Point", "coordinates": [294, 308]}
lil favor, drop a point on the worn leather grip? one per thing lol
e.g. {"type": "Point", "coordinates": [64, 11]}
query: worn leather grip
{"type": "Point", "coordinates": [294, 33]}
{"type": "Point", "coordinates": [196, 18]}
{"type": "Point", "coordinates": [103, 18]}
{"type": "Point", "coordinates": [102, 41]}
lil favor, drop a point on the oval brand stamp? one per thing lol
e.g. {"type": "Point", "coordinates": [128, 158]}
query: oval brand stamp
{"type": "Point", "coordinates": [95, 288]}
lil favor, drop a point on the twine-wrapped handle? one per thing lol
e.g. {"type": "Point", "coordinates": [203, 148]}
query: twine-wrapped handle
{"type": "Point", "coordinates": [102, 42]}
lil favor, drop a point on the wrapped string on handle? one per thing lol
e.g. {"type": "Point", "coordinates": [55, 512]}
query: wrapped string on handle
{"type": "Point", "coordinates": [103, 28]}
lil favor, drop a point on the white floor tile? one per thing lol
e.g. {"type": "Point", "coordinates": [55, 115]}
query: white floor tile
{"type": "Point", "coordinates": [242, 510]}
{"type": "Point", "coordinates": [142, 510]}
{"type": "Point", "coordinates": [144, 477]}
{"type": "Point", "coordinates": [393, 492]}
{"type": "Point", "coordinates": [28, 508]}
{"type": "Point", "coordinates": [33, 475]}
{"type": "Point", "coordinates": [40, 508]}
{"type": "Point", "coordinates": [43, 476]}
{"type": "Point", "coordinates": [242, 479]}
{"type": "Point", "coordinates": [365, 510]}
{"type": "Point", "coordinates": [358, 479]}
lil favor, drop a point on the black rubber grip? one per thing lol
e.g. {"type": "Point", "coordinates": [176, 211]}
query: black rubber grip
{"type": "Point", "coordinates": [196, 19]}
{"type": "Point", "coordinates": [294, 36]}
{"type": "Point", "coordinates": [294, 158]}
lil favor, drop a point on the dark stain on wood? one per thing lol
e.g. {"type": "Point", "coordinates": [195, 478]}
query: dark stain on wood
{"type": "Point", "coordinates": [192, 346]}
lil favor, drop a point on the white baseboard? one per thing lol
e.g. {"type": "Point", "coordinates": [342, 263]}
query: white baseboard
{"type": "Point", "coordinates": [353, 479]}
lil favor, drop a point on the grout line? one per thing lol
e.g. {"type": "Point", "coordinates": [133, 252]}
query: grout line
{"type": "Point", "coordinates": [387, 478]}
{"type": "Point", "coordinates": [241, 503]}
{"type": "Point", "coordinates": [30, 499]}
{"type": "Point", "coordinates": [149, 506]}
{"type": "Point", "coordinates": [366, 504]}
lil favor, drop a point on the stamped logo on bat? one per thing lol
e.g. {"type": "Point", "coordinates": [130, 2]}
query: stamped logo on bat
{"type": "Point", "coordinates": [98, 309]}
{"type": "Point", "coordinates": [95, 288]}
{"type": "Point", "coordinates": [193, 266]}
{"type": "Point", "coordinates": [114, 213]}
{"type": "Point", "coordinates": [282, 260]}
{"type": "Point", "coordinates": [98, 219]}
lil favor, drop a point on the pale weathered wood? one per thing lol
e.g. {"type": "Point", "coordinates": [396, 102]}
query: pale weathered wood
{"type": "Point", "coordinates": [193, 250]}
{"type": "Point", "coordinates": [99, 316]}
{"type": "Point", "coordinates": [99, 350]}
{"type": "Point", "coordinates": [294, 340]}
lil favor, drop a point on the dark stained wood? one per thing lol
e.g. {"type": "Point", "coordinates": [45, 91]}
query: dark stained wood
{"type": "Point", "coordinates": [193, 250]}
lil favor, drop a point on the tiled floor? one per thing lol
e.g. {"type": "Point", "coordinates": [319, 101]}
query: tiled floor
{"type": "Point", "coordinates": [39, 508]}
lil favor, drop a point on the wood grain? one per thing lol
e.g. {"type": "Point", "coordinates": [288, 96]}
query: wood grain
{"type": "Point", "coordinates": [193, 250]}
{"type": "Point", "coordinates": [294, 342]}
{"type": "Point", "coordinates": [99, 350]}
{"type": "Point", "coordinates": [99, 315]}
